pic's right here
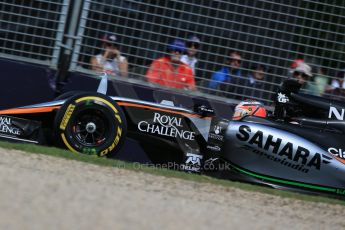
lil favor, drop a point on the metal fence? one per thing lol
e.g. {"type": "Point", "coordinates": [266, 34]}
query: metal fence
{"type": "Point", "coordinates": [269, 33]}
{"type": "Point", "coordinates": [32, 30]}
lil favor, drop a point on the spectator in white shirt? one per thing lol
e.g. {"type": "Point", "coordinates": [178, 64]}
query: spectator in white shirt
{"type": "Point", "coordinates": [110, 59]}
{"type": "Point", "coordinates": [192, 44]}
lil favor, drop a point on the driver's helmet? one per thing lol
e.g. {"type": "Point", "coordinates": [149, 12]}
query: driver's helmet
{"type": "Point", "coordinates": [249, 108]}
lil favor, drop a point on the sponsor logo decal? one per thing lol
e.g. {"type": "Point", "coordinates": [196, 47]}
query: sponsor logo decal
{"type": "Point", "coordinates": [67, 116]}
{"type": "Point", "coordinates": [334, 112]}
{"type": "Point", "coordinates": [216, 134]}
{"type": "Point", "coordinates": [215, 148]}
{"type": "Point", "coordinates": [217, 129]}
{"type": "Point", "coordinates": [285, 153]}
{"type": "Point", "coordinates": [282, 98]}
{"type": "Point", "coordinates": [212, 164]}
{"type": "Point", "coordinates": [337, 152]}
{"type": "Point", "coordinates": [211, 160]}
{"type": "Point", "coordinates": [203, 108]}
{"type": "Point", "coordinates": [193, 159]}
{"type": "Point", "coordinates": [6, 126]}
{"type": "Point", "coordinates": [193, 162]}
{"type": "Point", "coordinates": [166, 126]}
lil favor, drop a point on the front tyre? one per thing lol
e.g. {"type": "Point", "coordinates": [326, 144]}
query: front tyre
{"type": "Point", "coordinates": [91, 123]}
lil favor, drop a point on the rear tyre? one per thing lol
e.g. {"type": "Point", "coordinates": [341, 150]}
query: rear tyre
{"type": "Point", "coordinates": [91, 123]}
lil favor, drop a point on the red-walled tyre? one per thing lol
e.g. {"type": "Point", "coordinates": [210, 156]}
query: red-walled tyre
{"type": "Point", "coordinates": [91, 123]}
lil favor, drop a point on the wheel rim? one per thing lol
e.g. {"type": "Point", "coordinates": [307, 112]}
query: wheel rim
{"type": "Point", "coordinates": [90, 128]}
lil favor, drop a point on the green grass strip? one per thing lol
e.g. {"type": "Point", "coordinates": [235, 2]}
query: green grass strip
{"type": "Point", "coordinates": [286, 182]}
{"type": "Point", "coordinates": [56, 152]}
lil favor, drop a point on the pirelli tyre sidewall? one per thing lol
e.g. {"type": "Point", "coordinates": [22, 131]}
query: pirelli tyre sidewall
{"type": "Point", "coordinates": [91, 123]}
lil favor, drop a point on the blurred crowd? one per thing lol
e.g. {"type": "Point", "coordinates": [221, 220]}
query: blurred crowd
{"type": "Point", "coordinates": [178, 69]}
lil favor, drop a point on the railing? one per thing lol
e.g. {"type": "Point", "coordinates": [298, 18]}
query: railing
{"type": "Point", "coordinates": [269, 33]}
{"type": "Point", "coordinates": [32, 30]}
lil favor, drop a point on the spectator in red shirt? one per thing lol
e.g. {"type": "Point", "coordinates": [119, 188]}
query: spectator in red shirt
{"type": "Point", "coordinates": [169, 71]}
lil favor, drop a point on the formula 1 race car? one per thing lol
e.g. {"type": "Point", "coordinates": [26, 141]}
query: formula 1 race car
{"type": "Point", "coordinates": [299, 147]}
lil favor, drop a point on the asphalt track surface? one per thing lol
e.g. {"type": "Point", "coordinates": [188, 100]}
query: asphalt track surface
{"type": "Point", "coordinates": [43, 192]}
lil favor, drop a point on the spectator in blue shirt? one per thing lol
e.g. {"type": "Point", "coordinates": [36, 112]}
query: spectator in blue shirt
{"type": "Point", "coordinates": [228, 75]}
{"type": "Point", "coordinates": [255, 85]}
